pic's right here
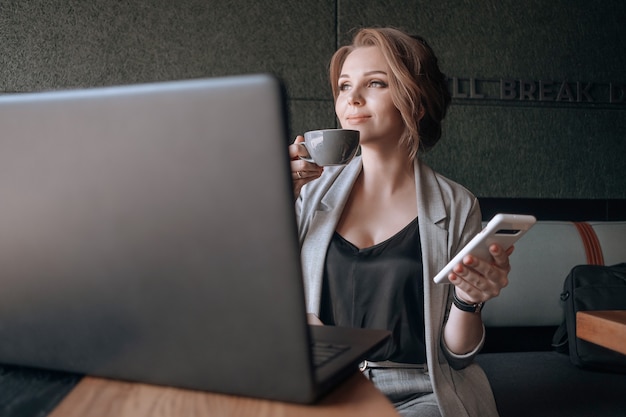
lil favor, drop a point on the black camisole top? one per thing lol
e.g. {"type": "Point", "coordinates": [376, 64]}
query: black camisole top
{"type": "Point", "coordinates": [378, 287]}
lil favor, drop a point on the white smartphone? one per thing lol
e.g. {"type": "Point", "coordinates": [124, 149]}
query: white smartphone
{"type": "Point", "coordinates": [503, 229]}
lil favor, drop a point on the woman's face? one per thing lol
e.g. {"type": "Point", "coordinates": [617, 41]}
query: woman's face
{"type": "Point", "coordinates": [364, 102]}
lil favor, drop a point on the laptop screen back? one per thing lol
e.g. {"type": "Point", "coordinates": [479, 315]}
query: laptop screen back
{"type": "Point", "coordinates": [147, 233]}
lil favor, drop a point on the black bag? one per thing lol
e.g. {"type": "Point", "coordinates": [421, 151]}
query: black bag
{"type": "Point", "coordinates": [588, 288]}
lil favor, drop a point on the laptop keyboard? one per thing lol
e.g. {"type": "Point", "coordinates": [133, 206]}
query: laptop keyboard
{"type": "Point", "coordinates": [324, 352]}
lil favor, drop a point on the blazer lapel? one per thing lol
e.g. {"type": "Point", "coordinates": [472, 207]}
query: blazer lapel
{"type": "Point", "coordinates": [322, 227]}
{"type": "Point", "coordinates": [432, 218]}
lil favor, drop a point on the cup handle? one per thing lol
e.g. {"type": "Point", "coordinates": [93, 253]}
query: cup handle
{"type": "Point", "coordinates": [306, 158]}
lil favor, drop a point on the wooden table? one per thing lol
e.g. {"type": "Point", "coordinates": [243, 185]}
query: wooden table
{"type": "Point", "coordinates": [107, 398]}
{"type": "Point", "coordinates": [604, 328]}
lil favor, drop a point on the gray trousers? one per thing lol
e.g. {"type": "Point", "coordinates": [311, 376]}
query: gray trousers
{"type": "Point", "coordinates": [409, 390]}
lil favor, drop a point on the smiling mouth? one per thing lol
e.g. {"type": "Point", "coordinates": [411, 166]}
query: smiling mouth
{"type": "Point", "coordinates": [357, 119]}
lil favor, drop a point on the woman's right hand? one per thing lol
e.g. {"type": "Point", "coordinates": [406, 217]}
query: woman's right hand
{"type": "Point", "coordinates": [302, 172]}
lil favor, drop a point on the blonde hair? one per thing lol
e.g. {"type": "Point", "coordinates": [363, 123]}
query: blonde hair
{"type": "Point", "coordinates": [418, 88]}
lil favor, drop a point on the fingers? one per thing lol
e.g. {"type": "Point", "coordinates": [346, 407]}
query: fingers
{"type": "Point", "coordinates": [500, 257]}
{"type": "Point", "coordinates": [306, 174]}
{"type": "Point", "coordinates": [479, 279]}
{"type": "Point", "coordinates": [296, 150]}
{"type": "Point", "coordinates": [302, 172]}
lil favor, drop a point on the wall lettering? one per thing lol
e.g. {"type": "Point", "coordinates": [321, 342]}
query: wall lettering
{"type": "Point", "coordinates": [521, 90]}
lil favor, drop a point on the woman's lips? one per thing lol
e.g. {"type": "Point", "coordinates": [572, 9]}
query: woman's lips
{"type": "Point", "coordinates": [357, 119]}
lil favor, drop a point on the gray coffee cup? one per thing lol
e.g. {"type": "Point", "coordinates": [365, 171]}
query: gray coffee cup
{"type": "Point", "coordinates": [328, 147]}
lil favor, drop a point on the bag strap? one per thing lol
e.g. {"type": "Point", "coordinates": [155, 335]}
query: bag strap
{"type": "Point", "coordinates": [593, 250]}
{"type": "Point", "coordinates": [559, 339]}
{"type": "Point", "coordinates": [593, 253]}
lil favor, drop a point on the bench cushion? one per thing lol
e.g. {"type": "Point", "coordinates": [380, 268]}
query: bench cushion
{"type": "Point", "coordinates": [541, 261]}
{"type": "Point", "coordinates": [546, 384]}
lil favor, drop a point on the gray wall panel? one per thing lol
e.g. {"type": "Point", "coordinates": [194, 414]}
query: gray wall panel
{"type": "Point", "coordinates": [49, 44]}
{"type": "Point", "coordinates": [533, 152]}
{"type": "Point", "coordinates": [497, 148]}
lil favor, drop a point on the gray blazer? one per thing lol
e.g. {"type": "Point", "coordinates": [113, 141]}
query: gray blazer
{"type": "Point", "coordinates": [448, 217]}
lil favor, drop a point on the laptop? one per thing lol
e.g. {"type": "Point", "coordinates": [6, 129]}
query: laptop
{"type": "Point", "coordinates": [147, 233]}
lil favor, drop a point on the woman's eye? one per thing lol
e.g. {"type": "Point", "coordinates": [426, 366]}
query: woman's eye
{"type": "Point", "coordinates": [344, 87]}
{"type": "Point", "coordinates": [377, 83]}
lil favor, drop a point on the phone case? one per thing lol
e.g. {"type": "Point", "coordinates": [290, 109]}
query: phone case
{"type": "Point", "coordinates": [504, 229]}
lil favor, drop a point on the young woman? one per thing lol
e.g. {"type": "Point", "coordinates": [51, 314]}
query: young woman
{"type": "Point", "coordinates": [375, 232]}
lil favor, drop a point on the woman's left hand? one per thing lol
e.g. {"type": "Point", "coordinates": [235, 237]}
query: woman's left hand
{"type": "Point", "coordinates": [478, 280]}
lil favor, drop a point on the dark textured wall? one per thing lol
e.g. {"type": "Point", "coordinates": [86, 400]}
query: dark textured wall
{"type": "Point", "coordinates": [563, 146]}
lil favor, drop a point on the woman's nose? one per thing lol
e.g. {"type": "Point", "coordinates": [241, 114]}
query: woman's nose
{"type": "Point", "coordinates": [355, 98]}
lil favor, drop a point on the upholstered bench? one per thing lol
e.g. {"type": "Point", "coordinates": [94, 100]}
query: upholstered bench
{"type": "Point", "coordinates": [528, 378]}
